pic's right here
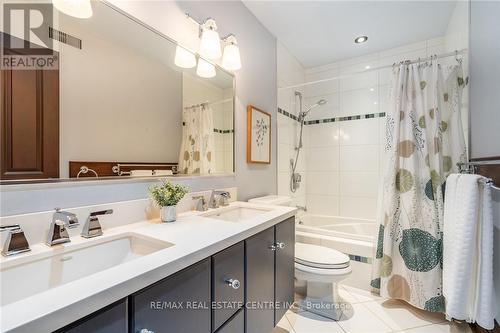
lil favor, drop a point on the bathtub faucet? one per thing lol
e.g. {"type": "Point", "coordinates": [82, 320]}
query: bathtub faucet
{"type": "Point", "coordinates": [304, 208]}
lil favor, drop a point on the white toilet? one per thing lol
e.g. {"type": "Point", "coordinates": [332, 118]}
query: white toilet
{"type": "Point", "coordinates": [322, 268]}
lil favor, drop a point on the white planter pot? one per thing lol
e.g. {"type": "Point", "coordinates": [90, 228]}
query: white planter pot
{"type": "Point", "coordinates": [168, 213]}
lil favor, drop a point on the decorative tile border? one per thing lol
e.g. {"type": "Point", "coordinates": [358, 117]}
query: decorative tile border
{"type": "Point", "coordinates": [216, 130]}
{"type": "Point", "coordinates": [332, 120]}
{"type": "Point", "coordinates": [337, 119]}
{"type": "Point", "coordinates": [287, 114]}
{"type": "Point", "coordinates": [364, 260]}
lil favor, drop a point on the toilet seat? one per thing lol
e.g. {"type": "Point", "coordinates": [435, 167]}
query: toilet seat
{"type": "Point", "coordinates": [311, 258]}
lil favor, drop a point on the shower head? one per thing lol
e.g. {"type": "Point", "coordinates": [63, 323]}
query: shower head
{"type": "Point", "coordinates": [318, 103]}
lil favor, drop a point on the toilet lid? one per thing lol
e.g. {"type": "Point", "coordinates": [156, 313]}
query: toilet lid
{"type": "Point", "coordinates": [320, 256]}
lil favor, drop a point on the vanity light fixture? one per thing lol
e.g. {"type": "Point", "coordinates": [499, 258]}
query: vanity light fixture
{"type": "Point", "coordinates": [360, 39]}
{"type": "Point", "coordinates": [231, 58]}
{"type": "Point", "coordinates": [210, 45]}
{"type": "Point", "coordinates": [205, 69]}
{"type": "Point", "coordinates": [76, 8]}
{"type": "Point", "coordinates": [210, 40]}
{"type": "Point", "coordinates": [184, 58]}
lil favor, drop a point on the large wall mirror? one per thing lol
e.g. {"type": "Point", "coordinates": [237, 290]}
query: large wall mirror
{"type": "Point", "coordinates": [116, 106]}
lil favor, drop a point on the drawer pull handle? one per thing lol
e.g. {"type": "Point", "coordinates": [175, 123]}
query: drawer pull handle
{"type": "Point", "coordinates": [280, 245]}
{"type": "Point", "coordinates": [233, 283]}
{"type": "Point", "coordinates": [145, 330]}
{"type": "Point", "coordinates": [272, 247]}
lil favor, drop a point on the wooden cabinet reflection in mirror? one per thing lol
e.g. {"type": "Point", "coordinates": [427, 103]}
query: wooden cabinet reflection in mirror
{"type": "Point", "coordinates": [30, 117]}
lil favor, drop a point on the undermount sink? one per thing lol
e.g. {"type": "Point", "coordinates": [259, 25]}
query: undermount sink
{"type": "Point", "coordinates": [236, 214]}
{"type": "Point", "coordinates": [64, 265]}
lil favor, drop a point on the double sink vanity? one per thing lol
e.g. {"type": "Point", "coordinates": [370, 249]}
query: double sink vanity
{"type": "Point", "coordinates": [228, 269]}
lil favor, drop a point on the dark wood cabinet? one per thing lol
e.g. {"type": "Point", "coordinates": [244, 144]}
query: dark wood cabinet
{"type": "Point", "coordinates": [29, 122]}
{"type": "Point", "coordinates": [165, 306]}
{"type": "Point", "coordinates": [204, 297]}
{"type": "Point", "coordinates": [285, 267]}
{"type": "Point", "coordinates": [234, 325]}
{"type": "Point", "coordinates": [260, 281]}
{"type": "Point", "coordinates": [112, 319]}
{"type": "Point", "coordinates": [228, 283]}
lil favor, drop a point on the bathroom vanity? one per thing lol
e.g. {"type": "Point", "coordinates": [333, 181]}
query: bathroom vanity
{"type": "Point", "coordinates": [226, 270]}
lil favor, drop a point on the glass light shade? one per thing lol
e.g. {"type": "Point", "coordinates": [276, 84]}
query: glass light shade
{"type": "Point", "coordinates": [205, 69]}
{"type": "Point", "coordinates": [76, 8]}
{"type": "Point", "coordinates": [231, 59]}
{"type": "Point", "coordinates": [184, 58]}
{"type": "Point", "coordinates": [210, 44]}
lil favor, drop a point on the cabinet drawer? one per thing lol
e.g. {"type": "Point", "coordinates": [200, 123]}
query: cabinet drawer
{"type": "Point", "coordinates": [227, 265]}
{"type": "Point", "coordinates": [171, 305]}
{"type": "Point", "coordinates": [235, 324]}
{"type": "Point", "coordinates": [111, 319]}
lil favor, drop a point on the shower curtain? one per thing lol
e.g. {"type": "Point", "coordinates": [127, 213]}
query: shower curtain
{"type": "Point", "coordinates": [424, 141]}
{"type": "Point", "coordinates": [197, 146]}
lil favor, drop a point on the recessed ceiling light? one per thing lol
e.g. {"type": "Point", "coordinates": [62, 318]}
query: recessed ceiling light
{"type": "Point", "coordinates": [367, 67]}
{"type": "Point", "coordinates": [360, 39]}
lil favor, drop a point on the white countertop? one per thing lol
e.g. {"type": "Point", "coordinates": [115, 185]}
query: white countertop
{"type": "Point", "coordinates": [194, 238]}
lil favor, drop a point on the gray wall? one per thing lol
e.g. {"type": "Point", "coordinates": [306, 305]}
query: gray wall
{"type": "Point", "coordinates": [255, 84]}
{"type": "Point", "coordinates": [484, 75]}
{"type": "Point", "coordinates": [485, 102]}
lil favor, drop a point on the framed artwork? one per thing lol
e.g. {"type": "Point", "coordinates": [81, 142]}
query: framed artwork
{"type": "Point", "coordinates": [258, 136]}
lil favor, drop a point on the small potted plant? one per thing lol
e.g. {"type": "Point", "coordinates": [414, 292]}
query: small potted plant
{"type": "Point", "coordinates": [167, 196]}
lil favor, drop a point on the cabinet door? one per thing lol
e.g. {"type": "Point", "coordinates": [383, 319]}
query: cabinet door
{"type": "Point", "coordinates": [227, 265]}
{"type": "Point", "coordinates": [172, 305]}
{"type": "Point", "coordinates": [260, 281]}
{"type": "Point", "coordinates": [29, 121]}
{"type": "Point", "coordinates": [235, 324]}
{"type": "Point", "coordinates": [285, 267]}
{"type": "Point", "coordinates": [112, 319]}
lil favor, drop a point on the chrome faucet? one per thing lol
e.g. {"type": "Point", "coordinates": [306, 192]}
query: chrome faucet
{"type": "Point", "coordinates": [92, 227]}
{"type": "Point", "coordinates": [304, 208]}
{"type": "Point", "coordinates": [68, 218]}
{"type": "Point", "coordinates": [219, 198]}
{"type": "Point", "coordinates": [201, 204]}
{"type": "Point", "coordinates": [61, 221]}
{"type": "Point", "coordinates": [16, 242]}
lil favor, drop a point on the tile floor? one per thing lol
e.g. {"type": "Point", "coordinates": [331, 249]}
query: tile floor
{"type": "Point", "coordinates": [369, 314]}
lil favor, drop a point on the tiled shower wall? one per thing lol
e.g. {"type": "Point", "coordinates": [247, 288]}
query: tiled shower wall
{"type": "Point", "coordinates": [290, 72]}
{"type": "Point", "coordinates": [343, 160]}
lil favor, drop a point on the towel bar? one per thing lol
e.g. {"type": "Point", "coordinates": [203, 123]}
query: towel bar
{"type": "Point", "coordinates": [470, 167]}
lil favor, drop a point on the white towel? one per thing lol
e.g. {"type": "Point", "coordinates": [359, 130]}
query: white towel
{"type": "Point", "coordinates": [162, 172]}
{"type": "Point", "coordinates": [141, 173]}
{"type": "Point", "coordinates": [468, 250]}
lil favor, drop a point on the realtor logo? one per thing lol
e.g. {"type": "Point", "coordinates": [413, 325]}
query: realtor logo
{"type": "Point", "coordinates": [25, 40]}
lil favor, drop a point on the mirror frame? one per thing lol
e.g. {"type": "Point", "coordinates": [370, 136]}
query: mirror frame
{"type": "Point", "coordinates": [129, 179]}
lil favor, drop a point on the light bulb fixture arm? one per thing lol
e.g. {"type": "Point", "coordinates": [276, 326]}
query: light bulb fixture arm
{"type": "Point", "coordinates": [230, 39]}
{"type": "Point", "coordinates": [208, 24]}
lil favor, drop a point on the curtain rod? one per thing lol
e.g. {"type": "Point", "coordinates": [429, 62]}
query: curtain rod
{"type": "Point", "coordinates": [209, 103]}
{"type": "Point", "coordinates": [442, 55]}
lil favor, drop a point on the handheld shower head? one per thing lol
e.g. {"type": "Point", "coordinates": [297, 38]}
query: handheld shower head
{"type": "Point", "coordinates": [318, 103]}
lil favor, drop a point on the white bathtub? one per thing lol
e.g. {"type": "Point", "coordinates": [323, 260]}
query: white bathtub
{"type": "Point", "coordinates": [351, 236]}
{"type": "Point", "coordinates": [350, 228]}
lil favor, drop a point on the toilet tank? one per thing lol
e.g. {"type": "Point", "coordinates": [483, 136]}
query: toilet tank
{"type": "Point", "coordinates": [276, 200]}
